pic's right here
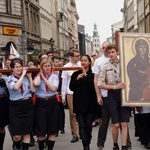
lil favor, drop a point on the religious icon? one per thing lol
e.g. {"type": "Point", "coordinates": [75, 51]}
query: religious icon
{"type": "Point", "coordinates": [135, 68]}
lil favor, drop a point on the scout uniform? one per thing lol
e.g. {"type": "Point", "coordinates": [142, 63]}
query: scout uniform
{"type": "Point", "coordinates": [110, 75]}
{"type": "Point", "coordinates": [47, 111]}
{"type": "Point", "coordinates": [21, 106]}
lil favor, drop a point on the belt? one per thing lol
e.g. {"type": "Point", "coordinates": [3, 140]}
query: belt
{"type": "Point", "coordinates": [2, 95]}
{"type": "Point", "coordinates": [48, 98]}
{"type": "Point", "coordinates": [23, 99]}
{"type": "Point", "coordinates": [119, 90]}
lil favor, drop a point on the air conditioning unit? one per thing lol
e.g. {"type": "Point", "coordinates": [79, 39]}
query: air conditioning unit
{"type": "Point", "coordinates": [59, 16]}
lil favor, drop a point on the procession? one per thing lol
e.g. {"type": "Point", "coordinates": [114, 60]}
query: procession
{"type": "Point", "coordinates": [33, 103]}
{"type": "Point", "coordinates": [74, 75]}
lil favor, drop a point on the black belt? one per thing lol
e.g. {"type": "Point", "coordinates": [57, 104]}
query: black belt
{"type": "Point", "coordinates": [48, 98]}
{"type": "Point", "coordinates": [119, 90]}
{"type": "Point", "coordinates": [23, 99]}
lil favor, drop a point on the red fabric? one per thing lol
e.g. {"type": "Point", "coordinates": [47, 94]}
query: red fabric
{"type": "Point", "coordinates": [34, 99]}
{"type": "Point", "coordinates": [46, 87]}
{"type": "Point", "coordinates": [146, 93]}
{"type": "Point", "coordinates": [147, 72]}
{"type": "Point", "coordinates": [58, 98]}
{"type": "Point", "coordinates": [146, 90]}
{"type": "Point", "coordinates": [21, 87]}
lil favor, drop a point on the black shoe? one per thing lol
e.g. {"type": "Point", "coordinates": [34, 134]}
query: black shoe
{"type": "Point", "coordinates": [124, 148]}
{"type": "Point", "coordinates": [32, 142]}
{"type": "Point", "coordinates": [86, 148]}
{"type": "Point", "coordinates": [15, 148]}
{"type": "Point", "coordinates": [57, 135]}
{"type": "Point", "coordinates": [129, 148]}
{"type": "Point", "coordinates": [147, 146]}
{"type": "Point", "coordinates": [75, 139]}
{"type": "Point", "coordinates": [116, 147]}
{"type": "Point", "coordinates": [62, 131]}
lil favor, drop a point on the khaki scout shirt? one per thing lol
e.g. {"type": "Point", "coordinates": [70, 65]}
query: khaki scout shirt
{"type": "Point", "coordinates": [109, 74]}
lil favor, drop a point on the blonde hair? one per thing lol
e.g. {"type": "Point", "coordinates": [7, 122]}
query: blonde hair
{"type": "Point", "coordinates": [92, 62]}
{"type": "Point", "coordinates": [44, 61]}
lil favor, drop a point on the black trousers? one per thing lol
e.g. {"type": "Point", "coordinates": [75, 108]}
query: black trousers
{"type": "Point", "coordinates": [102, 133]}
{"type": "Point", "coordinates": [144, 128]}
{"type": "Point", "coordinates": [85, 127]}
{"type": "Point", "coordinates": [62, 126]}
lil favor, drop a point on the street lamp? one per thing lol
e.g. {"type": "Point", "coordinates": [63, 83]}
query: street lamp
{"type": "Point", "coordinates": [52, 41]}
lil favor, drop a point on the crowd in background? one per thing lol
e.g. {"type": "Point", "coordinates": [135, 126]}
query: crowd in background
{"type": "Point", "coordinates": [33, 104]}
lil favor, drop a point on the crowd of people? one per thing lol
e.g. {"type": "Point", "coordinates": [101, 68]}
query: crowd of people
{"type": "Point", "coordinates": [34, 103]}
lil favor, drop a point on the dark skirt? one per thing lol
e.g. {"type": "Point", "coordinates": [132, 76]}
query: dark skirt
{"type": "Point", "coordinates": [47, 117]}
{"type": "Point", "coordinates": [21, 117]}
{"type": "Point", "coordinates": [4, 111]}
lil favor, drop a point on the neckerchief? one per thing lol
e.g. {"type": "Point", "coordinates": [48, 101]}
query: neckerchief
{"type": "Point", "coordinates": [21, 87]}
{"type": "Point", "coordinates": [46, 87]}
{"type": "Point", "coordinates": [114, 63]}
{"type": "Point", "coordinates": [116, 70]}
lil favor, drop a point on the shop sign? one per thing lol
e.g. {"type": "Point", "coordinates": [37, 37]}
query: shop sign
{"type": "Point", "coordinates": [10, 31]}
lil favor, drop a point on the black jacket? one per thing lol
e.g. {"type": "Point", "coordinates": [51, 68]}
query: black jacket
{"type": "Point", "coordinates": [84, 96]}
{"type": "Point", "coordinates": [3, 88]}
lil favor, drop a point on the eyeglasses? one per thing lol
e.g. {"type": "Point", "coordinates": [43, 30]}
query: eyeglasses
{"type": "Point", "coordinates": [93, 55]}
{"type": "Point", "coordinates": [77, 56]}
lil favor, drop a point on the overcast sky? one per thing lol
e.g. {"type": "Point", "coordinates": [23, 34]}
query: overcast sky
{"type": "Point", "coordinates": [102, 12]}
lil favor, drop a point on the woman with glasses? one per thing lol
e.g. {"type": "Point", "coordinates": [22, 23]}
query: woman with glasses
{"type": "Point", "coordinates": [21, 110]}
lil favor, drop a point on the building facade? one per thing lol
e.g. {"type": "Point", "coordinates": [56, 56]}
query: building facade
{"type": "Point", "coordinates": [31, 33]}
{"type": "Point", "coordinates": [137, 16]}
{"type": "Point", "coordinates": [10, 25]}
{"type": "Point", "coordinates": [45, 24]}
{"type": "Point", "coordinates": [29, 25]}
{"type": "Point", "coordinates": [116, 28]}
{"type": "Point", "coordinates": [82, 40]}
{"type": "Point", "coordinates": [88, 45]}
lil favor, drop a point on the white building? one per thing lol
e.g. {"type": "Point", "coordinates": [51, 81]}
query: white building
{"type": "Point", "coordinates": [96, 40]}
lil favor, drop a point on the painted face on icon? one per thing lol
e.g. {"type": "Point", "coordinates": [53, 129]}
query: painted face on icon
{"type": "Point", "coordinates": [142, 50]}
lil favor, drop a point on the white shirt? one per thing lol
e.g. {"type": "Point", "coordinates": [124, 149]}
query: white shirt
{"type": "Point", "coordinates": [99, 62]}
{"type": "Point", "coordinates": [145, 110]}
{"type": "Point", "coordinates": [66, 77]}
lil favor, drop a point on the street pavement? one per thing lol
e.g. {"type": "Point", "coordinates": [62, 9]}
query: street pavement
{"type": "Point", "coordinates": [63, 140]}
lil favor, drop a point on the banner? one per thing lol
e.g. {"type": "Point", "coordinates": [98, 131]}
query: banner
{"type": "Point", "coordinates": [14, 51]}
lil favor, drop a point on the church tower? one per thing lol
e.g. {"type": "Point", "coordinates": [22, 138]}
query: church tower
{"type": "Point", "coordinates": [96, 40]}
